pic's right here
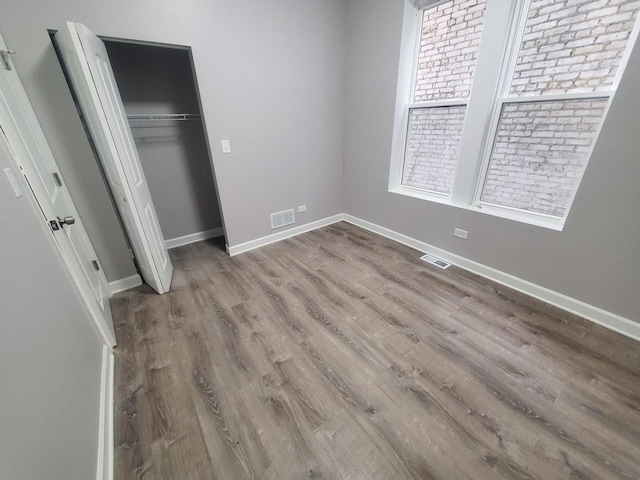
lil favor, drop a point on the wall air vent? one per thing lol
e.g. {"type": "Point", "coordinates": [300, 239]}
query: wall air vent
{"type": "Point", "coordinates": [438, 262]}
{"type": "Point", "coordinates": [281, 219]}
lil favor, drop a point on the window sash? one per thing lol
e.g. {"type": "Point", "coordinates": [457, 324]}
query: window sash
{"type": "Point", "coordinates": [492, 139]}
{"type": "Point", "coordinates": [444, 146]}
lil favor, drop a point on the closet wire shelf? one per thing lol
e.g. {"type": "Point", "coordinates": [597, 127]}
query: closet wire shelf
{"type": "Point", "coordinates": [160, 119]}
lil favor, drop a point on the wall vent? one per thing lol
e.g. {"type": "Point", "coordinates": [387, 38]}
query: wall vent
{"type": "Point", "coordinates": [281, 219]}
{"type": "Point", "coordinates": [438, 262]}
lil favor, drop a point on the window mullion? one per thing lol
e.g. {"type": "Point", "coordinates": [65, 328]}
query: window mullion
{"type": "Point", "coordinates": [516, 25]}
{"type": "Point", "coordinates": [484, 91]}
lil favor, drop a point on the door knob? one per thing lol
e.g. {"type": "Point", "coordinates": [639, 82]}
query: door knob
{"type": "Point", "coordinates": [66, 221]}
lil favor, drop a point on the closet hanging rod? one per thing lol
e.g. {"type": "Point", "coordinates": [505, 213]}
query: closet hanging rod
{"type": "Point", "coordinates": [160, 119]}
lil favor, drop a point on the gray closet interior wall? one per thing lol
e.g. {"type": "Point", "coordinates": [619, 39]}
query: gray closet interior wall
{"type": "Point", "coordinates": [175, 158]}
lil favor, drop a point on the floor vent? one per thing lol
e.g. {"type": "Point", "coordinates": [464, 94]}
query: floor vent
{"type": "Point", "coordinates": [438, 262]}
{"type": "Point", "coordinates": [281, 219]}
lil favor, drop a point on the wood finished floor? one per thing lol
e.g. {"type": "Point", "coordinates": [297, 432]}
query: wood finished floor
{"type": "Point", "coordinates": [338, 354]}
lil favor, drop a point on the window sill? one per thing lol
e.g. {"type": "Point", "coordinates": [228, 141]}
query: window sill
{"type": "Point", "coordinates": [538, 220]}
{"type": "Point", "coordinates": [422, 194]}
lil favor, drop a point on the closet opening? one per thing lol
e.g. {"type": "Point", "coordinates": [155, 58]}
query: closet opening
{"type": "Point", "coordinates": [159, 92]}
{"type": "Point", "coordinates": [158, 86]}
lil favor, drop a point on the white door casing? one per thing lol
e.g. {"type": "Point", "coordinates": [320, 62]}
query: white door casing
{"type": "Point", "coordinates": [90, 73]}
{"type": "Point", "coordinates": [22, 140]}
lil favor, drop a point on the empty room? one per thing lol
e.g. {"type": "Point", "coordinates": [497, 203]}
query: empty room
{"type": "Point", "coordinates": [329, 239]}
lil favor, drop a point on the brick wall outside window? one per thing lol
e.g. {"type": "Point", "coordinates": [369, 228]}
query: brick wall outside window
{"type": "Point", "coordinates": [448, 49]}
{"type": "Point", "coordinates": [432, 148]}
{"type": "Point", "coordinates": [572, 45]}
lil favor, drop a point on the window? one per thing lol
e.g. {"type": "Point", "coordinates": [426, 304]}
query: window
{"type": "Point", "coordinates": [505, 102]}
{"type": "Point", "coordinates": [450, 34]}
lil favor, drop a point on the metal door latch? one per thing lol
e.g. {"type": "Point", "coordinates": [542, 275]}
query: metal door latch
{"type": "Point", "coordinates": [66, 221]}
{"type": "Point", "coordinates": [61, 222]}
{"type": "Point", "coordinates": [6, 58]}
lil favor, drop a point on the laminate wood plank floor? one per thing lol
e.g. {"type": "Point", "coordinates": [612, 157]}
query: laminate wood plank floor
{"type": "Point", "coordinates": [338, 354]}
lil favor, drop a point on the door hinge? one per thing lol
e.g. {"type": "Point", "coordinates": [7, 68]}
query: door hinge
{"type": "Point", "coordinates": [56, 177]}
{"type": "Point", "coordinates": [6, 58]}
{"type": "Point", "coordinates": [95, 265]}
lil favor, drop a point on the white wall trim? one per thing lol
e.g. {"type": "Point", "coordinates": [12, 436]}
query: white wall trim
{"type": "Point", "coordinates": [276, 237]}
{"type": "Point", "coordinates": [193, 237]}
{"type": "Point", "coordinates": [134, 281]}
{"type": "Point", "coordinates": [123, 284]}
{"type": "Point", "coordinates": [594, 314]}
{"type": "Point", "coordinates": [104, 470]}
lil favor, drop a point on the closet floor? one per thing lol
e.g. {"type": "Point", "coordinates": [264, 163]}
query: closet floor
{"type": "Point", "coordinates": [338, 354]}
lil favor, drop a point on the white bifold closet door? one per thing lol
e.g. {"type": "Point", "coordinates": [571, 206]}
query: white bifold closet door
{"type": "Point", "coordinates": [92, 79]}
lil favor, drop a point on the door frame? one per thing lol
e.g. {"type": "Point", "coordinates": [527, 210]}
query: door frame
{"type": "Point", "coordinates": [76, 278]}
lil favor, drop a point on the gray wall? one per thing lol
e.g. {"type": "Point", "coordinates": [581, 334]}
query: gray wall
{"type": "Point", "coordinates": [51, 355]}
{"type": "Point", "coordinates": [595, 259]}
{"type": "Point", "coordinates": [175, 159]}
{"type": "Point", "coordinates": [271, 80]}
{"type": "Point", "coordinates": [285, 81]}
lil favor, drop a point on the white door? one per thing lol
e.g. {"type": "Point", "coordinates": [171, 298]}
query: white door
{"type": "Point", "coordinates": [91, 76]}
{"type": "Point", "coordinates": [22, 139]}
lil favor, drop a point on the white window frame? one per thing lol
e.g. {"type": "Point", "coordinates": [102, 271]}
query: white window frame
{"type": "Point", "coordinates": [504, 25]}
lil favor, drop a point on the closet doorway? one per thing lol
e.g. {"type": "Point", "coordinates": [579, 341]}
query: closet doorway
{"type": "Point", "coordinates": [159, 91]}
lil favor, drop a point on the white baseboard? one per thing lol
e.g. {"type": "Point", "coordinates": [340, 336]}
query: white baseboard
{"type": "Point", "coordinates": [276, 237]}
{"type": "Point", "coordinates": [194, 237]}
{"type": "Point", "coordinates": [134, 281]}
{"type": "Point", "coordinates": [594, 314]}
{"type": "Point", "coordinates": [104, 470]}
{"type": "Point", "coordinates": [123, 284]}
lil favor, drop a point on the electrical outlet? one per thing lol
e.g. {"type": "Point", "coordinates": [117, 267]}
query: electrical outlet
{"type": "Point", "coordinates": [302, 208]}
{"type": "Point", "coordinates": [226, 146]}
{"type": "Point", "coordinates": [458, 232]}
